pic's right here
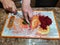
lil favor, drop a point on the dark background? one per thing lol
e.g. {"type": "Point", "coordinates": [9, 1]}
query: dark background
{"type": "Point", "coordinates": [33, 3]}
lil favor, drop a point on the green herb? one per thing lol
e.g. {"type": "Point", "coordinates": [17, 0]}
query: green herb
{"type": "Point", "coordinates": [25, 22]}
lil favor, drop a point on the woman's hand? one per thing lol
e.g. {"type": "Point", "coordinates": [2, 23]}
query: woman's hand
{"type": "Point", "coordinates": [9, 5]}
{"type": "Point", "coordinates": [27, 10]}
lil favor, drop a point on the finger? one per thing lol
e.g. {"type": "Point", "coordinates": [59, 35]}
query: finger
{"type": "Point", "coordinates": [30, 14]}
{"type": "Point", "coordinates": [9, 9]}
{"type": "Point", "coordinates": [26, 17]}
{"type": "Point", "coordinates": [14, 9]}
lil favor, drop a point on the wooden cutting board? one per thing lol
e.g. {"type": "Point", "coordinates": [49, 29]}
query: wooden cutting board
{"type": "Point", "coordinates": [53, 33]}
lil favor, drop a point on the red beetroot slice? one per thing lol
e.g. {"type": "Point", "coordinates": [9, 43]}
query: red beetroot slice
{"type": "Point", "coordinates": [45, 21]}
{"type": "Point", "coordinates": [48, 20]}
{"type": "Point", "coordinates": [43, 26]}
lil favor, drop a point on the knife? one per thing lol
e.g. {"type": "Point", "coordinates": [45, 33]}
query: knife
{"type": "Point", "coordinates": [22, 16]}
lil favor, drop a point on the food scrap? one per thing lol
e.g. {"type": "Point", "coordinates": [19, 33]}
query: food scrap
{"type": "Point", "coordinates": [11, 22]}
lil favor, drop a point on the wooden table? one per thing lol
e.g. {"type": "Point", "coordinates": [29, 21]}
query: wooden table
{"type": "Point", "coordinates": [23, 41]}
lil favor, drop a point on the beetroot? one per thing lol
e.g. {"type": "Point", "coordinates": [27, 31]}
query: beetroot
{"type": "Point", "coordinates": [45, 21]}
{"type": "Point", "coordinates": [48, 20]}
{"type": "Point", "coordinates": [43, 26]}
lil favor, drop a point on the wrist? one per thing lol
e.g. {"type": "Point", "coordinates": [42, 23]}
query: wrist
{"type": "Point", "coordinates": [25, 2]}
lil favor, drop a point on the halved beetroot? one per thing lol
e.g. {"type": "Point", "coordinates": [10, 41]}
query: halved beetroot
{"type": "Point", "coordinates": [45, 21]}
{"type": "Point", "coordinates": [34, 22]}
{"type": "Point", "coordinates": [48, 20]}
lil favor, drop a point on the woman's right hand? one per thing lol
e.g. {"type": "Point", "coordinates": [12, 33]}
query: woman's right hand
{"type": "Point", "coordinates": [9, 5]}
{"type": "Point", "coordinates": [27, 10]}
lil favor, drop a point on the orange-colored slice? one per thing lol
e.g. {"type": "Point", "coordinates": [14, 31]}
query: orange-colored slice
{"type": "Point", "coordinates": [35, 22]}
{"type": "Point", "coordinates": [11, 22]}
{"type": "Point", "coordinates": [43, 31]}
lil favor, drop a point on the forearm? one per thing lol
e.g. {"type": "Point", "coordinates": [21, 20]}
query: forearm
{"type": "Point", "coordinates": [26, 2]}
{"type": "Point", "coordinates": [3, 0]}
